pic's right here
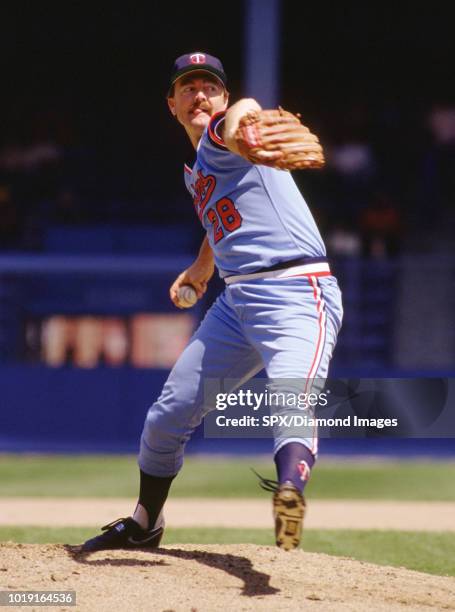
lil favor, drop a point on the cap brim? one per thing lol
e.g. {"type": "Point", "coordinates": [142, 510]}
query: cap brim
{"type": "Point", "coordinates": [219, 75]}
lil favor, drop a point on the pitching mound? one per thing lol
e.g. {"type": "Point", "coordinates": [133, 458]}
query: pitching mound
{"type": "Point", "coordinates": [210, 578]}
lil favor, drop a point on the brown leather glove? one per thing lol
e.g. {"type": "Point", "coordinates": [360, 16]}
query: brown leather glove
{"type": "Point", "coordinates": [278, 139]}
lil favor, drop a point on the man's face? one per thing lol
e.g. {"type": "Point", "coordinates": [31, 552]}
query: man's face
{"type": "Point", "coordinates": [197, 96]}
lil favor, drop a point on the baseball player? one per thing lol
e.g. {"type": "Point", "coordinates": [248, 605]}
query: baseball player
{"type": "Point", "coordinates": [281, 308]}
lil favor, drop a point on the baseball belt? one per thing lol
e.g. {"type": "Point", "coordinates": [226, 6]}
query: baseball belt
{"type": "Point", "coordinates": [303, 266]}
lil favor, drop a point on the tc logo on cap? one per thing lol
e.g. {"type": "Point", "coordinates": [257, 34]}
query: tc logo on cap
{"type": "Point", "coordinates": [197, 58]}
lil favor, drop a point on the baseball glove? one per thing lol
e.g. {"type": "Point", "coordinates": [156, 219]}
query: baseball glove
{"type": "Point", "coordinates": [277, 138]}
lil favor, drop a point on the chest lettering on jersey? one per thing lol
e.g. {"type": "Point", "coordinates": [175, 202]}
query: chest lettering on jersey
{"type": "Point", "coordinates": [203, 189]}
{"type": "Point", "coordinates": [223, 216]}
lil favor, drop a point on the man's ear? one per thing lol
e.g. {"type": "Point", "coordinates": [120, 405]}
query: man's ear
{"type": "Point", "coordinates": [171, 104]}
{"type": "Point", "coordinates": [226, 96]}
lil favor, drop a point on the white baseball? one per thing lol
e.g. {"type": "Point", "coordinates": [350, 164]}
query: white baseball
{"type": "Point", "coordinates": [187, 296]}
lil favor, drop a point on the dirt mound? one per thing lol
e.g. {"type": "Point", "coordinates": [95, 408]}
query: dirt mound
{"type": "Point", "coordinates": [206, 578]}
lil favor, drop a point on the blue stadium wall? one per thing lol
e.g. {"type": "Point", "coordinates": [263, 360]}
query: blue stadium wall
{"type": "Point", "coordinates": [102, 410]}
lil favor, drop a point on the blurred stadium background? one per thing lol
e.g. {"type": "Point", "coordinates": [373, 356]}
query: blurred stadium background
{"type": "Point", "coordinates": [95, 222]}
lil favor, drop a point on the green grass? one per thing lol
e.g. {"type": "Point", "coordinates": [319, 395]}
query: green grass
{"type": "Point", "coordinates": [433, 553]}
{"type": "Point", "coordinates": [117, 476]}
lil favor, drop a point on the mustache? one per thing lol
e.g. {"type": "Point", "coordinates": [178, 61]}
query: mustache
{"type": "Point", "coordinates": [202, 107]}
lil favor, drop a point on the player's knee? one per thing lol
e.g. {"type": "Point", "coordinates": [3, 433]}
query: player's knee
{"type": "Point", "coordinates": [163, 429]}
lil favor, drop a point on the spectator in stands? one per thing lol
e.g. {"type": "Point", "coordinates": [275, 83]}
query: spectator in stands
{"type": "Point", "coordinates": [344, 241]}
{"type": "Point", "coordinates": [381, 224]}
{"type": "Point", "coordinates": [352, 170]}
{"type": "Point", "coordinates": [439, 168]}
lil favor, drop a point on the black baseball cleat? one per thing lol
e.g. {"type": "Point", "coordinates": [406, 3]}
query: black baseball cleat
{"type": "Point", "coordinates": [288, 511]}
{"type": "Point", "coordinates": [125, 533]}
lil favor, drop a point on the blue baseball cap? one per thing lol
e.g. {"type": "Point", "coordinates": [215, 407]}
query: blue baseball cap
{"type": "Point", "coordinates": [199, 61]}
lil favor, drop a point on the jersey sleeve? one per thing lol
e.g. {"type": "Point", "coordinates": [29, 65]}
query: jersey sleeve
{"type": "Point", "coordinates": [213, 149]}
{"type": "Point", "coordinates": [187, 176]}
{"type": "Point", "coordinates": [214, 130]}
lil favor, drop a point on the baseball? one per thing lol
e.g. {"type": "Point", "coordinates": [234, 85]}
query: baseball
{"type": "Point", "coordinates": [187, 296]}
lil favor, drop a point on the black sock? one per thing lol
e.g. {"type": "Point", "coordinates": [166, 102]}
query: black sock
{"type": "Point", "coordinates": [153, 493]}
{"type": "Point", "coordinates": [294, 462]}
